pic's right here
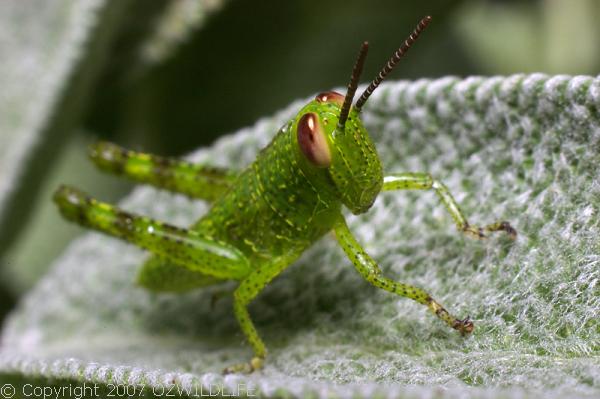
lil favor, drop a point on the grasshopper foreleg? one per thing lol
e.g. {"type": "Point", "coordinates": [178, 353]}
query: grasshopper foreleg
{"type": "Point", "coordinates": [424, 181]}
{"type": "Point", "coordinates": [367, 267]}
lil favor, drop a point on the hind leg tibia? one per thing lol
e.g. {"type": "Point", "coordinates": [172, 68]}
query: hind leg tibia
{"type": "Point", "coordinates": [186, 248]}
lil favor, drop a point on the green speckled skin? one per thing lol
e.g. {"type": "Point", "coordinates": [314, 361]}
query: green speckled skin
{"type": "Point", "coordinates": [281, 204]}
{"type": "Point", "coordinates": [262, 218]}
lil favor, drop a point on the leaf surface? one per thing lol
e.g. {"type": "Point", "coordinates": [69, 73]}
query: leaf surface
{"type": "Point", "coordinates": [524, 148]}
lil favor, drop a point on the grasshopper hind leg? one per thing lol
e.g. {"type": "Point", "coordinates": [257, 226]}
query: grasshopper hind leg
{"type": "Point", "coordinates": [194, 180]}
{"type": "Point", "coordinates": [159, 275]}
{"type": "Point", "coordinates": [189, 249]}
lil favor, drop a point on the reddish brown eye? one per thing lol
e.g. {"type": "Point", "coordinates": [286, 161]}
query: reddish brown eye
{"type": "Point", "coordinates": [330, 96]}
{"type": "Point", "coordinates": [312, 140]}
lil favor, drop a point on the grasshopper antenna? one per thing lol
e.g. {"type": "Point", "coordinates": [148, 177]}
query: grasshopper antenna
{"type": "Point", "coordinates": [356, 71]}
{"type": "Point", "coordinates": [392, 62]}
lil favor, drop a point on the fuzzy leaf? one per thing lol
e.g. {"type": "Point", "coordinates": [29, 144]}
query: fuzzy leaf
{"type": "Point", "coordinates": [524, 148]}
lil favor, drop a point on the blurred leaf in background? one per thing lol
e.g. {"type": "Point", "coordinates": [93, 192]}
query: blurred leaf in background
{"type": "Point", "coordinates": [552, 36]}
{"type": "Point", "coordinates": [54, 55]}
{"type": "Point", "coordinates": [51, 52]}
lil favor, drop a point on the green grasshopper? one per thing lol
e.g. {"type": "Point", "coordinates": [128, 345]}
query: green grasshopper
{"type": "Point", "coordinates": [263, 218]}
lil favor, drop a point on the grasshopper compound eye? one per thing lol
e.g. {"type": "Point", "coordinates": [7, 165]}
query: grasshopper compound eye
{"type": "Point", "coordinates": [330, 96]}
{"type": "Point", "coordinates": [312, 141]}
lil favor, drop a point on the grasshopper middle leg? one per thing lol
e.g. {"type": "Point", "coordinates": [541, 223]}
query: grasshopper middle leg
{"type": "Point", "coordinates": [248, 289]}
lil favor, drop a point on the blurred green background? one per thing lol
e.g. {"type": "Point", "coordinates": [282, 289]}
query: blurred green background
{"type": "Point", "coordinates": [171, 76]}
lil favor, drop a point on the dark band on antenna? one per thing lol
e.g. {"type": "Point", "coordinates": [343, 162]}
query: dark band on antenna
{"type": "Point", "coordinates": [392, 62]}
{"type": "Point", "coordinates": [356, 71]}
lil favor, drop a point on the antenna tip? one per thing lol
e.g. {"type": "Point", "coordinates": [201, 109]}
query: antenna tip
{"type": "Point", "coordinates": [364, 47]}
{"type": "Point", "coordinates": [424, 22]}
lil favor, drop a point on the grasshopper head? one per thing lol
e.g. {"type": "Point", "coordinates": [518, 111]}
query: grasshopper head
{"type": "Point", "coordinates": [331, 135]}
{"type": "Point", "coordinates": [348, 155]}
